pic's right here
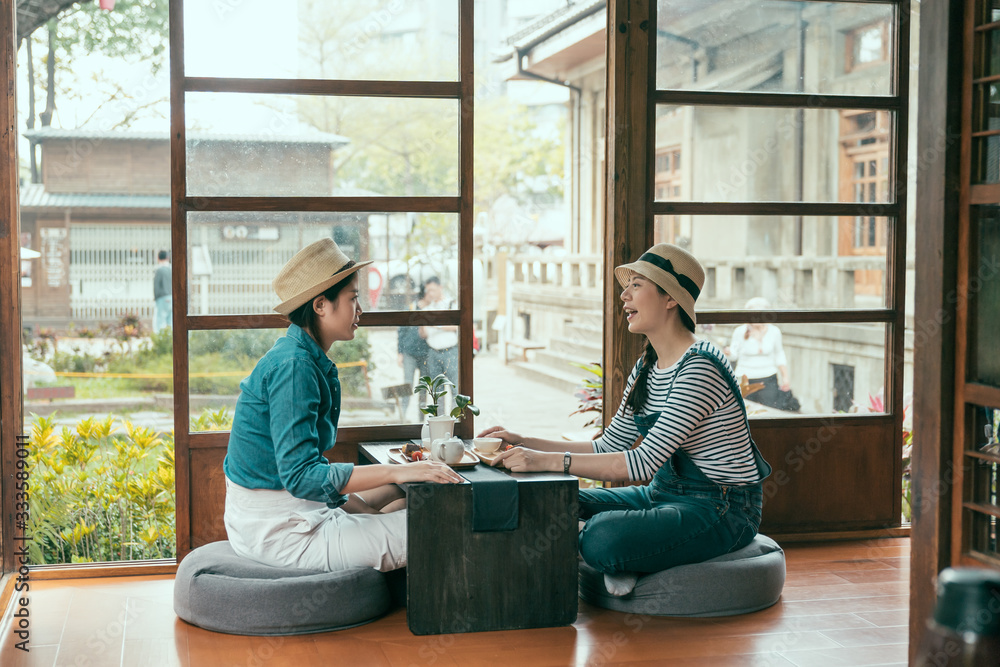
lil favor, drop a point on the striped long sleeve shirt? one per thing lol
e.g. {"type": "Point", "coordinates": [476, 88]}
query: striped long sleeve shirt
{"type": "Point", "coordinates": [701, 416]}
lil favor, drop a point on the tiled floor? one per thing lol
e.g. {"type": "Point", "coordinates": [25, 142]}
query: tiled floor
{"type": "Point", "coordinates": [843, 604]}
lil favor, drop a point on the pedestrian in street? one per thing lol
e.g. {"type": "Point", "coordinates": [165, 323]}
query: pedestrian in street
{"type": "Point", "coordinates": [442, 357]}
{"type": "Point", "coordinates": [163, 311]}
{"type": "Point", "coordinates": [412, 351]}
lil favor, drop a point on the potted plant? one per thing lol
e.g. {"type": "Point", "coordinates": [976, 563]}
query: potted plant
{"type": "Point", "coordinates": [442, 426]}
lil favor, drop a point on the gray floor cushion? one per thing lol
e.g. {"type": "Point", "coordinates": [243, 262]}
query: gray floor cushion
{"type": "Point", "coordinates": [217, 590]}
{"type": "Point", "coordinates": [737, 583]}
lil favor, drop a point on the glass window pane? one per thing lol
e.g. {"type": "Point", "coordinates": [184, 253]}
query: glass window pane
{"type": "Point", "coordinates": [988, 46]}
{"type": "Point", "coordinates": [233, 257]}
{"type": "Point", "coordinates": [322, 39]}
{"type": "Point", "coordinates": [753, 256]}
{"type": "Point", "coordinates": [747, 154]}
{"type": "Point", "coordinates": [324, 145]}
{"type": "Point", "coordinates": [983, 534]}
{"type": "Point", "coordinates": [985, 107]}
{"type": "Point", "coordinates": [217, 363]}
{"type": "Point", "coordinates": [828, 368]}
{"type": "Point", "coordinates": [986, 159]}
{"type": "Point", "coordinates": [369, 369]}
{"type": "Point", "coordinates": [984, 288]}
{"type": "Point", "coordinates": [989, 11]}
{"type": "Point", "coordinates": [751, 45]}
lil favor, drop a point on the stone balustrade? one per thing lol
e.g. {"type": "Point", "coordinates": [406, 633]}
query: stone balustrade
{"type": "Point", "coordinates": [789, 282]}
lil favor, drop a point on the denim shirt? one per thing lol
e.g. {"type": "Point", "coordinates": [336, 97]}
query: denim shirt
{"type": "Point", "coordinates": [286, 417]}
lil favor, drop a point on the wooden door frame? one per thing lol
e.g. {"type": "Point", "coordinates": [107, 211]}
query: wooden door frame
{"type": "Point", "coordinates": [870, 442]}
{"type": "Point", "coordinates": [11, 371]}
{"type": "Point", "coordinates": [628, 228]}
{"type": "Point", "coordinates": [942, 64]}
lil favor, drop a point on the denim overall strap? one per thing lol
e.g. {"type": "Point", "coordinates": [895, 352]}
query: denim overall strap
{"type": "Point", "coordinates": [679, 465]}
{"type": "Point", "coordinates": [683, 465]}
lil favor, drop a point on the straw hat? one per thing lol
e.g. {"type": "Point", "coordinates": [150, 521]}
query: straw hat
{"type": "Point", "coordinates": [673, 269]}
{"type": "Point", "coordinates": [313, 270]}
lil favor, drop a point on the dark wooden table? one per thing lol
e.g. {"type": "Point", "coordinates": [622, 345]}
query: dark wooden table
{"type": "Point", "coordinates": [459, 580]}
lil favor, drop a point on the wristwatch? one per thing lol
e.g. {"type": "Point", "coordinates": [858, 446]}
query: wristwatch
{"type": "Point", "coordinates": [567, 459]}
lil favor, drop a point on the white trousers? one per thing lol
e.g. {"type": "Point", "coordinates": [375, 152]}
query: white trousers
{"type": "Point", "coordinates": [276, 528]}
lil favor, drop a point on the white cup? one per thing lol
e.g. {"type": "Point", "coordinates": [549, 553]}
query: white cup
{"type": "Point", "coordinates": [440, 427]}
{"type": "Point", "coordinates": [486, 445]}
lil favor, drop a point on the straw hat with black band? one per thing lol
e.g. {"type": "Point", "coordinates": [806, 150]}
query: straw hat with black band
{"type": "Point", "coordinates": [674, 269]}
{"type": "Point", "coordinates": [313, 270]}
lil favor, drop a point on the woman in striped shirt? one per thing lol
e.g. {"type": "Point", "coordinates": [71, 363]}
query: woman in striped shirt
{"type": "Point", "coordinates": [703, 497]}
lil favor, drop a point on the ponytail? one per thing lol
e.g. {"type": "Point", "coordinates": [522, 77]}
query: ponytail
{"type": "Point", "coordinates": [640, 390]}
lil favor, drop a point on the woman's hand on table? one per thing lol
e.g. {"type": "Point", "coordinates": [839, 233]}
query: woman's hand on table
{"type": "Point", "coordinates": [427, 471]}
{"type": "Point", "coordinates": [508, 437]}
{"type": "Point", "coordinates": [522, 459]}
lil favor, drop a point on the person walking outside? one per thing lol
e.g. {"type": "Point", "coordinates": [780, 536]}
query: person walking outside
{"type": "Point", "coordinates": [412, 351]}
{"type": "Point", "coordinates": [163, 315]}
{"type": "Point", "coordinates": [442, 340]}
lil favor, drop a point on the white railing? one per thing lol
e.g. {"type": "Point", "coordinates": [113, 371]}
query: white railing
{"type": "Point", "coordinates": [796, 282]}
{"type": "Point", "coordinates": [582, 271]}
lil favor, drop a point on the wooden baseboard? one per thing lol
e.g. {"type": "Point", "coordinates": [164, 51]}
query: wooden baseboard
{"type": "Point", "coordinates": [92, 570]}
{"type": "Point", "coordinates": [873, 533]}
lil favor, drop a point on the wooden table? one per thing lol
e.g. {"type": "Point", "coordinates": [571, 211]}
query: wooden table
{"type": "Point", "coordinates": [464, 581]}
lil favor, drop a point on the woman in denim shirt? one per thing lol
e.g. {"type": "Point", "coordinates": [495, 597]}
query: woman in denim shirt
{"type": "Point", "coordinates": [286, 505]}
{"type": "Point", "coordinates": [683, 400]}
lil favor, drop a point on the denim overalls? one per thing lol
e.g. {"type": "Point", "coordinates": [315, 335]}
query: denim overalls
{"type": "Point", "coordinates": [681, 517]}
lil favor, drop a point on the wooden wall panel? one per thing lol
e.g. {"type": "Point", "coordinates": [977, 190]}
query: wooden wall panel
{"type": "Point", "coordinates": [828, 476]}
{"type": "Point", "coordinates": [207, 497]}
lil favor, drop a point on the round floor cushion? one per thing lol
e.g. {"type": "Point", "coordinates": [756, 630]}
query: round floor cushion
{"type": "Point", "coordinates": [736, 583]}
{"type": "Point", "coordinates": [217, 590]}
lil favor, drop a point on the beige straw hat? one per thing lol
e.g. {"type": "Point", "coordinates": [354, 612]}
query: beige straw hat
{"type": "Point", "coordinates": [313, 270]}
{"type": "Point", "coordinates": [673, 269]}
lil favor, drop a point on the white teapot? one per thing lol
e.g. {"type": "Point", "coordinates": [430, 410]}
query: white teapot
{"type": "Point", "coordinates": [447, 450]}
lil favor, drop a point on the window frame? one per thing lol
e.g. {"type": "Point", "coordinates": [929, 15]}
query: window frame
{"type": "Point", "coordinates": [970, 392]}
{"type": "Point", "coordinates": [635, 201]}
{"type": "Point", "coordinates": [195, 501]}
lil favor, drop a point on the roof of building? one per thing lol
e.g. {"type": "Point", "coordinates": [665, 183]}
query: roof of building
{"type": "Point", "coordinates": [34, 195]}
{"type": "Point", "coordinates": [538, 31]}
{"type": "Point", "coordinates": [316, 137]}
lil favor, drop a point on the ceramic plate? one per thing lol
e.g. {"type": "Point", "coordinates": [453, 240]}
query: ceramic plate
{"type": "Point", "coordinates": [396, 455]}
{"type": "Point", "coordinates": [488, 459]}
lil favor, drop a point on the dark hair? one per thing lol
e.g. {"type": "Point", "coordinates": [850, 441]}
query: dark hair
{"type": "Point", "coordinates": [162, 254]}
{"type": "Point", "coordinates": [640, 390]}
{"type": "Point", "coordinates": [305, 317]}
{"type": "Point", "coordinates": [432, 280]}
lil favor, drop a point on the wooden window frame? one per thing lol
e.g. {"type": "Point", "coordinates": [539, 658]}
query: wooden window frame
{"type": "Point", "coordinates": [194, 444]}
{"type": "Point", "coordinates": [631, 210]}
{"type": "Point", "coordinates": [967, 391]}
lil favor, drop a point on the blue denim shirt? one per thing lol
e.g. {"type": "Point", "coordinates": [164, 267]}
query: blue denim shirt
{"type": "Point", "coordinates": [286, 417]}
